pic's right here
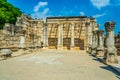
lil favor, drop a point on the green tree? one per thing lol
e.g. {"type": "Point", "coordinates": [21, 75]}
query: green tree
{"type": "Point", "coordinates": [8, 13]}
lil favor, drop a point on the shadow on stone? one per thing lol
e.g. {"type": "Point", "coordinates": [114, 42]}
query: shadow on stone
{"type": "Point", "coordinates": [111, 70]}
{"type": "Point", "coordinates": [97, 59]}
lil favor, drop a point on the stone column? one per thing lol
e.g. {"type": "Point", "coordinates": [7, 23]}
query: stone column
{"type": "Point", "coordinates": [88, 35]}
{"type": "Point", "coordinates": [22, 41]}
{"type": "Point", "coordinates": [31, 41]}
{"type": "Point", "coordinates": [100, 46]}
{"type": "Point", "coordinates": [60, 37]}
{"type": "Point", "coordinates": [45, 43]}
{"type": "Point", "coordinates": [58, 46]}
{"type": "Point", "coordinates": [72, 36]}
{"type": "Point", "coordinates": [38, 41]}
{"type": "Point", "coordinates": [94, 42]}
{"type": "Point", "coordinates": [111, 51]}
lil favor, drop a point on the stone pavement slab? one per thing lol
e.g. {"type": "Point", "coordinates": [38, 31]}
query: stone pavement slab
{"type": "Point", "coordinates": [55, 65]}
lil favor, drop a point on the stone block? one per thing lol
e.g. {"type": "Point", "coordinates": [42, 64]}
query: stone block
{"type": "Point", "coordinates": [6, 52]}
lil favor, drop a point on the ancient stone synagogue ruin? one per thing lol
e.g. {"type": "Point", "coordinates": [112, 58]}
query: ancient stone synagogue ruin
{"type": "Point", "coordinates": [63, 33]}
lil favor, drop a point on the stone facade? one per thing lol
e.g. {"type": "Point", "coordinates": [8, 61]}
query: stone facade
{"type": "Point", "coordinates": [73, 32]}
{"type": "Point", "coordinates": [77, 32]}
{"type": "Point", "coordinates": [64, 33]}
{"type": "Point", "coordinates": [70, 32]}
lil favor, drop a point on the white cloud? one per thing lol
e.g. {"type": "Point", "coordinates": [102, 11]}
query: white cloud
{"type": "Point", "coordinates": [100, 3]}
{"type": "Point", "coordinates": [41, 14]}
{"type": "Point", "coordinates": [99, 15]}
{"type": "Point", "coordinates": [39, 5]}
{"type": "Point", "coordinates": [82, 13]}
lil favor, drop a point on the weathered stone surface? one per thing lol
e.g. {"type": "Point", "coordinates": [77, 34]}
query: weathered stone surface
{"type": "Point", "coordinates": [6, 52]}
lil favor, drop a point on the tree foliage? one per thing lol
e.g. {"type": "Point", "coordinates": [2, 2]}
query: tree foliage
{"type": "Point", "coordinates": [8, 13]}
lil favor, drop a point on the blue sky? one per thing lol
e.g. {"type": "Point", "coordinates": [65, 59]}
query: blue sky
{"type": "Point", "coordinates": [102, 10]}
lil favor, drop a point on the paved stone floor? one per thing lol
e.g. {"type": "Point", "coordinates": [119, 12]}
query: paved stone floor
{"type": "Point", "coordinates": [55, 65]}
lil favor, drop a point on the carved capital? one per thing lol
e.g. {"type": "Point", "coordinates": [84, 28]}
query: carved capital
{"type": "Point", "coordinates": [22, 32]}
{"type": "Point", "coordinates": [94, 32]}
{"type": "Point", "coordinates": [109, 26]}
{"type": "Point", "coordinates": [88, 22]}
{"type": "Point", "coordinates": [31, 34]}
{"type": "Point", "coordinates": [100, 32]}
{"type": "Point", "coordinates": [98, 25]}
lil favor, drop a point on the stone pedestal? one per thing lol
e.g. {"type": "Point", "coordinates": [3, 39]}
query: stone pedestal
{"type": "Point", "coordinates": [60, 37]}
{"type": "Point", "coordinates": [111, 51]}
{"type": "Point", "coordinates": [72, 37]}
{"type": "Point", "coordinates": [100, 47]}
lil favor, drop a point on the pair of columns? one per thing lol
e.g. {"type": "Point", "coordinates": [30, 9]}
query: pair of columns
{"type": "Point", "coordinates": [60, 36]}
{"type": "Point", "coordinates": [32, 45]}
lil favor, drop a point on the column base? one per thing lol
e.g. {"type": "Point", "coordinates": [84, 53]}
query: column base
{"type": "Point", "coordinates": [22, 46]}
{"type": "Point", "coordinates": [100, 52]}
{"type": "Point", "coordinates": [38, 46]}
{"type": "Point", "coordinates": [72, 47]}
{"type": "Point", "coordinates": [45, 47]}
{"type": "Point", "coordinates": [111, 60]}
{"type": "Point", "coordinates": [59, 47]}
{"type": "Point", "coordinates": [111, 55]}
{"type": "Point", "coordinates": [93, 51]}
{"type": "Point", "coordinates": [32, 46]}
